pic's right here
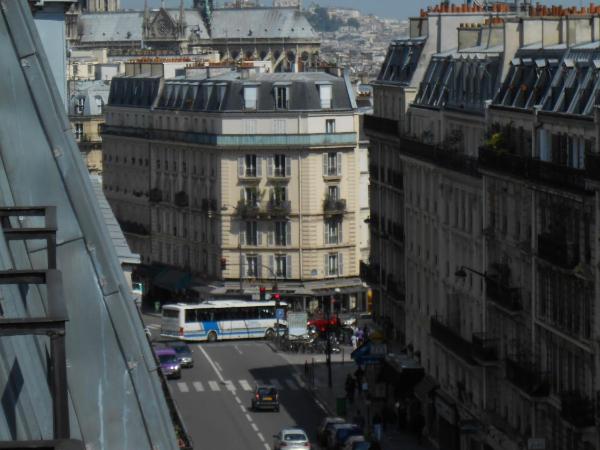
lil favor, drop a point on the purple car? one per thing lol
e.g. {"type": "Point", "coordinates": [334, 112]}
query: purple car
{"type": "Point", "coordinates": [169, 364]}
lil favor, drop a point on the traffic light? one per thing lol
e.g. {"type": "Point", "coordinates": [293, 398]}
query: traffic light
{"type": "Point", "coordinates": [277, 298]}
{"type": "Point", "coordinates": [263, 293]}
{"type": "Point", "coordinates": [223, 263]}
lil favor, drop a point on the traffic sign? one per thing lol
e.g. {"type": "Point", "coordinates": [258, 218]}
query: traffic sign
{"type": "Point", "coordinates": [280, 313]}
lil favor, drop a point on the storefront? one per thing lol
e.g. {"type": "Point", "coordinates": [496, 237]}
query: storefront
{"type": "Point", "coordinates": [448, 430]}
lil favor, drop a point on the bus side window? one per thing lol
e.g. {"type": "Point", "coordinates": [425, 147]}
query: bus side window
{"type": "Point", "coordinates": [190, 315]}
{"type": "Point", "coordinates": [253, 313]}
{"type": "Point", "coordinates": [218, 315]}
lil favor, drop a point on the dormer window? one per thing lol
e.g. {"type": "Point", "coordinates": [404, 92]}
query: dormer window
{"type": "Point", "coordinates": [325, 94]}
{"type": "Point", "coordinates": [250, 97]}
{"type": "Point", "coordinates": [282, 97]}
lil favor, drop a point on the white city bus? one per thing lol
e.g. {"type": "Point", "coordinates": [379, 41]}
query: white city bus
{"type": "Point", "coordinates": [221, 319]}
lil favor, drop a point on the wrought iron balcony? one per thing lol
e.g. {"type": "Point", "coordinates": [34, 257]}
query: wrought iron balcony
{"type": "Point", "coordinates": [442, 157]}
{"type": "Point", "coordinates": [532, 169]}
{"type": "Point", "coordinates": [397, 232]}
{"type": "Point", "coordinates": [558, 251]}
{"type": "Point", "coordinates": [209, 204]}
{"type": "Point", "coordinates": [181, 199]}
{"type": "Point", "coordinates": [279, 208]}
{"type": "Point", "coordinates": [134, 228]}
{"type": "Point", "coordinates": [485, 347]}
{"type": "Point", "coordinates": [528, 378]}
{"type": "Point", "coordinates": [592, 166]}
{"type": "Point", "coordinates": [577, 409]}
{"type": "Point", "coordinates": [451, 339]}
{"type": "Point", "coordinates": [506, 297]}
{"type": "Point", "coordinates": [248, 209]}
{"type": "Point", "coordinates": [380, 125]}
{"type": "Point", "coordinates": [155, 195]}
{"type": "Point", "coordinates": [333, 206]}
{"type": "Point", "coordinates": [369, 273]}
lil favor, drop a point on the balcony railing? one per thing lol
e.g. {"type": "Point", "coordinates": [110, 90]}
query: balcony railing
{"type": "Point", "coordinates": [577, 409]}
{"type": "Point", "coordinates": [155, 195]}
{"type": "Point", "coordinates": [209, 204]}
{"type": "Point", "coordinates": [451, 339]}
{"type": "Point", "coordinates": [181, 199]}
{"type": "Point", "coordinates": [380, 125]}
{"type": "Point", "coordinates": [235, 140]}
{"type": "Point", "coordinates": [248, 209]}
{"type": "Point", "coordinates": [507, 297]}
{"type": "Point", "coordinates": [528, 378]}
{"type": "Point", "coordinates": [440, 156]}
{"type": "Point", "coordinates": [397, 232]}
{"type": "Point", "coordinates": [485, 347]}
{"type": "Point", "coordinates": [592, 166]}
{"type": "Point", "coordinates": [369, 273]}
{"type": "Point", "coordinates": [334, 206]}
{"type": "Point", "coordinates": [556, 250]}
{"type": "Point", "coordinates": [532, 169]}
{"type": "Point", "coordinates": [133, 227]}
{"type": "Point", "coordinates": [279, 208]}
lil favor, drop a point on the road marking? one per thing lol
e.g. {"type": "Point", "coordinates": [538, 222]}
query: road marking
{"type": "Point", "coordinates": [320, 405]}
{"type": "Point", "coordinates": [299, 380]}
{"type": "Point", "coordinates": [290, 384]}
{"type": "Point", "coordinates": [210, 361]}
{"type": "Point", "coordinates": [243, 408]}
{"type": "Point", "coordinates": [230, 386]}
{"type": "Point", "coordinates": [198, 386]}
{"type": "Point", "coordinates": [238, 349]}
{"type": "Point", "coordinates": [183, 387]}
{"type": "Point", "coordinates": [237, 399]}
{"type": "Point", "coordinates": [214, 385]}
{"type": "Point", "coordinates": [248, 417]}
{"type": "Point", "coordinates": [218, 366]}
{"type": "Point", "coordinates": [261, 437]}
{"type": "Point", "coordinates": [245, 385]}
{"type": "Point", "coordinates": [275, 384]}
{"type": "Point", "coordinates": [254, 427]}
{"type": "Point", "coordinates": [153, 326]}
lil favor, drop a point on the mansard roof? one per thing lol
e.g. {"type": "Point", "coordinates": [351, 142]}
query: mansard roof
{"type": "Point", "coordinates": [401, 61]}
{"type": "Point", "coordinates": [575, 87]}
{"type": "Point", "coordinates": [226, 93]}
{"type": "Point", "coordinates": [460, 80]}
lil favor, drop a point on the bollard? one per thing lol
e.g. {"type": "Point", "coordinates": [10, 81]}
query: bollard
{"type": "Point", "coordinates": [343, 353]}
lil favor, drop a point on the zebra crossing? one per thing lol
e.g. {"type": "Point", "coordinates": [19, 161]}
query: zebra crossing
{"type": "Point", "coordinates": [289, 384]}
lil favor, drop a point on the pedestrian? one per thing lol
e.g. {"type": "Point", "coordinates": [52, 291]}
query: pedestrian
{"type": "Point", "coordinates": [359, 420]}
{"type": "Point", "coordinates": [365, 332]}
{"type": "Point", "coordinates": [419, 426]}
{"type": "Point", "coordinates": [306, 368]}
{"type": "Point", "coordinates": [359, 378]}
{"type": "Point", "coordinates": [377, 427]}
{"type": "Point", "coordinates": [354, 341]}
{"type": "Point", "coordinates": [400, 414]}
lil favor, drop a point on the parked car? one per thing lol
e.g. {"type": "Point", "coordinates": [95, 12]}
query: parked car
{"type": "Point", "coordinates": [339, 433]}
{"type": "Point", "coordinates": [291, 439]}
{"type": "Point", "coordinates": [322, 429]}
{"type": "Point", "coordinates": [184, 354]}
{"type": "Point", "coordinates": [265, 397]}
{"type": "Point", "coordinates": [169, 365]}
{"type": "Point", "coordinates": [357, 443]}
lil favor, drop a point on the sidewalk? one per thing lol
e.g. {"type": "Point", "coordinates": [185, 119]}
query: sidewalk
{"type": "Point", "coordinates": [393, 439]}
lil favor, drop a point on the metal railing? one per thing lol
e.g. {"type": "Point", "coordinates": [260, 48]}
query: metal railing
{"type": "Point", "coordinates": [451, 339]}
{"type": "Point", "coordinates": [442, 157]}
{"type": "Point", "coordinates": [484, 347]}
{"type": "Point", "coordinates": [558, 251]}
{"type": "Point", "coordinates": [380, 125]}
{"type": "Point", "coordinates": [334, 206]}
{"type": "Point", "coordinates": [506, 297]}
{"type": "Point", "coordinates": [528, 378]}
{"type": "Point", "coordinates": [577, 409]}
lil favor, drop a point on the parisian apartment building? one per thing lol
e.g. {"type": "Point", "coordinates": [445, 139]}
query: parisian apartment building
{"type": "Point", "coordinates": [244, 180]}
{"type": "Point", "coordinates": [485, 165]}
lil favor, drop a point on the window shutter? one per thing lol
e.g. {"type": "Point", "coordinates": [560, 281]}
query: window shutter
{"type": "Point", "coordinates": [339, 163]}
{"type": "Point", "coordinates": [340, 264]}
{"type": "Point", "coordinates": [270, 166]}
{"type": "Point", "coordinates": [288, 233]}
{"type": "Point", "coordinates": [288, 166]}
{"type": "Point", "coordinates": [324, 164]}
{"type": "Point", "coordinates": [241, 166]}
{"type": "Point", "coordinates": [288, 266]}
{"type": "Point", "coordinates": [243, 194]}
{"type": "Point", "coordinates": [340, 235]}
{"type": "Point", "coordinates": [259, 266]}
{"type": "Point", "coordinates": [242, 233]}
{"type": "Point", "coordinates": [259, 166]}
{"type": "Point", "coordinates": [258, 234]}
{"type": "Point", "coordinates": [326, 264]}
{"type": "Point", "coordinates": [270, 234]}
{"type": "Point", "coordinates": [325, 234]}
{"type": "Point", "coordinates": [243, 266]}
{"type": "Point", "coordinates": [272, 265]}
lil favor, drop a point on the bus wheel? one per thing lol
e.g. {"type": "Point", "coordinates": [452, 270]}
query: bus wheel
{"type": "Point", "coordinates": [212, 337]}
{"type": "Point", "coordinates": [270, 334]}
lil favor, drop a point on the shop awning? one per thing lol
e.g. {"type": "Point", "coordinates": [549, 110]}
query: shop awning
{"type": "Point", "coordinates": [401, 372]}
{"type": "Point", "coordinates": [369, 353]}
{"type": "Point", "coordinates": [172, 280]}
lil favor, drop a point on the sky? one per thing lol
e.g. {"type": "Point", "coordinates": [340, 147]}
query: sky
{"type": "Point", "coordinates": [398, 9]}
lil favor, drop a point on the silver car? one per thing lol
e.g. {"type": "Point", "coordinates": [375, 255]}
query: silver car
{"type": "Point", "coordinates": [291, 439]}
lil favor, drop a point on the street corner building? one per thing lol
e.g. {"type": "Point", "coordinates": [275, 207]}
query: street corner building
{"type": "Point", "coordinates": [242, 179]}
{"type": "Point", "coordinates": [484, 164]}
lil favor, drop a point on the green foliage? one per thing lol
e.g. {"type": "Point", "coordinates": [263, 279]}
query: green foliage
{"type": "Point", "coordinates": [321, 21]}
{"type": "Point", "coordinates": [352, 22]}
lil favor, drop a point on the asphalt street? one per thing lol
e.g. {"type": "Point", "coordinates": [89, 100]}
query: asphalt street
{"type": "Point", "coordinates": [214, 396]}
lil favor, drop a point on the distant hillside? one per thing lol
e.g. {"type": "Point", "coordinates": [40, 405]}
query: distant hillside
{"type": "Point", "coordinates": [321, 21]}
